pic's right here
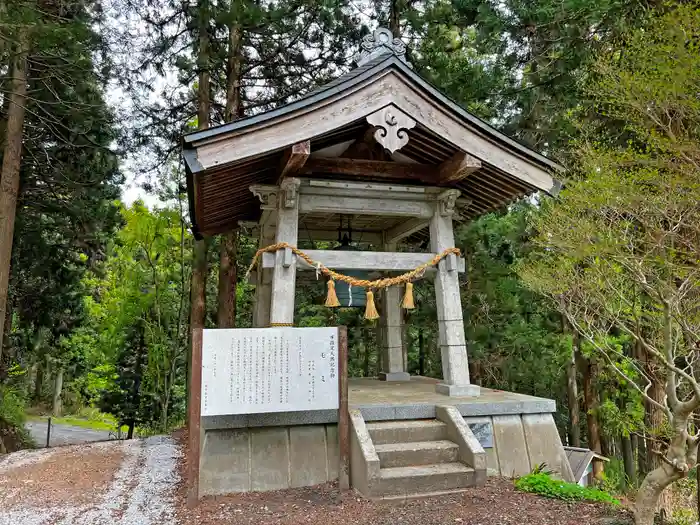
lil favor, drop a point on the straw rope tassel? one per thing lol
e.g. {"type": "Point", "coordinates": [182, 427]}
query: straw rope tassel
{"type": "Point", "coordinates": [371, 310]}
{"type": "Point", "coordinates": [332, 298]}
{"type": "Point", "coordinates": [408, 302]}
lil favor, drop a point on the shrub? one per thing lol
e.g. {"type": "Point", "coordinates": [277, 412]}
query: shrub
{"type": "Point", "coordinates": [13, 435]}
{"type": "Point", "coordinates": [543, 484]}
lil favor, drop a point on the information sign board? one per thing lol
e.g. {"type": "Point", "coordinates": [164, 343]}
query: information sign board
{"type": "Point", "coordinates": [261, 370]}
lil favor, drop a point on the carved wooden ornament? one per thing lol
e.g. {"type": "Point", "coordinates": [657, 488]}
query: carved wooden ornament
{"type": "Point", "coordinates": [392, 127]}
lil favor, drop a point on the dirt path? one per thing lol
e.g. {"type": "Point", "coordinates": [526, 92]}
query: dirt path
{"type": "Point", "coordinates": [123, 482]}
{"type": "Point", "coordinates": [138, 483]}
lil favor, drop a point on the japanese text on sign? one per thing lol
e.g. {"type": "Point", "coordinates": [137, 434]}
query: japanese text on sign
{"type": "Point", "coordinates": [261, 370]}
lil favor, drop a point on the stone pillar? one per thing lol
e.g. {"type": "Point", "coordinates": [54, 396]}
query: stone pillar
{"type": "Point", "coordinates": [263, 284]}
{"type": "Point", "coordinates": [285, 270]}
{"type": "Point", "coordinates": [453, 348]}
{"type": "Point", "coordinates": [391, 329]}
{"type": "Point", "coordinates": [392, 337]}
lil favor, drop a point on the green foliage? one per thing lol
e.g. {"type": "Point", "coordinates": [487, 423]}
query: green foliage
{"type": "Point", "coordinates": [13, 435]}
{"type": "Point", "coordinates": [683, 517]}
{"type": "Point", "coordinates": [544, 485]}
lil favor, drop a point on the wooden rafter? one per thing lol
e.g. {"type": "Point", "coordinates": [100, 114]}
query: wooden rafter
{"type": "Point", "coordinates": [377, 168]}
{"type": "Point", "coordinates": [458, 167]}
{"type": "Point", "coordinates": [294, 159]}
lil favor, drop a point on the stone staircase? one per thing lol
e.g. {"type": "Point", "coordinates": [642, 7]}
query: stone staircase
{"type": "Point", "coordinates": [413, 458]}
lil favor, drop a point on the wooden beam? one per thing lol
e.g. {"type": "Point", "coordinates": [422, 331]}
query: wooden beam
{"type": "Point", "coordinates": [365, 206]}
{"type": "Point", "coordinates": [332, 235]}
{"type": "Point", "coordinates": [405, 229]}
{"type": "Point", "coordinates": [352, 260]}
{"type": "Point", "coordinates": [372, 168]}
{"type": "Point", "coordinates": [294, 159]}
{"type": "Point", "coordinates": [458, 167]}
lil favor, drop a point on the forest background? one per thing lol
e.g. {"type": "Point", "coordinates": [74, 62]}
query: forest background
{"type": "Point", "coordinates": [101, 293]}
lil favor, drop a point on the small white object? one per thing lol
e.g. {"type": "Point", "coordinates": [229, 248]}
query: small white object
{"type": "Point", "coordinates": [350, 295]}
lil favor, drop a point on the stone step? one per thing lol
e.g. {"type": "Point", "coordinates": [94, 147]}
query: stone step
{"type": "Point", "coordinates": [403, 481]}
{"type": "Point", "coordinates": [417, 453]}
{"type": "Point", "coordinates": [406, 431]}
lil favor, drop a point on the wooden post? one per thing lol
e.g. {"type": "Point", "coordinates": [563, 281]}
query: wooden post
{"type": "Point", "coordinates": [263, 287]}
{"type": "Point", "coordinates": [343, 411]}
{"type": "Point", "coordinates": [194, 419]}
{"type": "Point", "coordinates": [48, 433]}
{"type": "Point", "coordinates": [284, 273]}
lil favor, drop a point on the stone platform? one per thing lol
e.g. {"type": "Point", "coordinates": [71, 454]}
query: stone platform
{"type": "Point", "coordinates": [280, 450]}
{"type": "Point", "coordinates": [417, 399]}
{"type": "Point", "coordinates": [383, 401]}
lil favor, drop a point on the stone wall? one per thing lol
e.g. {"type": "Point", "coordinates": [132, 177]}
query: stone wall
{"type": "Point", "coordinates": [522, 441]}
{"type": "Point", "coordinates": [267, 458]}
{"type": "Point", "coordinates": [280, 457]}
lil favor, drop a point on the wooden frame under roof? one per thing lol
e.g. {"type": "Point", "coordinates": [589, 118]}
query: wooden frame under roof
{"type": "Point", "coordinates": [380, 122]}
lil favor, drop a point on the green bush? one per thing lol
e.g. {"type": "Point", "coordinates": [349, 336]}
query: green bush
{"type": "Point", "coordinates": [543, 484]}
{"type": "Point", "coordinates": [13, 435]}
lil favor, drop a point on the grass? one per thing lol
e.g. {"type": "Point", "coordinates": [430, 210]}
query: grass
{"type": "Point", "coordinates": [543, 484]}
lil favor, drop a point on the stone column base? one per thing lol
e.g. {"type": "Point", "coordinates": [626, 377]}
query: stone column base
{"type": "Point", "coordinates": [394, 376]}
{"type": "Point", "coordinates": [458, 390]}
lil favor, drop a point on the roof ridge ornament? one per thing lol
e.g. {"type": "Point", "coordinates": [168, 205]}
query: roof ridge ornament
{"type": "Point", "coordinates": [378, 43]}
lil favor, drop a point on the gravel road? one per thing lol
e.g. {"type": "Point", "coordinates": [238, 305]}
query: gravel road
{"type": "Point", "coordinates": [115, 482]}
{"type": "Point", "coordinates": [64, 434]}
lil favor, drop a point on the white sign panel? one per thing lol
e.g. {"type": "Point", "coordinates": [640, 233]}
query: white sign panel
{"type": "Point", "coordinates": [259, 370]}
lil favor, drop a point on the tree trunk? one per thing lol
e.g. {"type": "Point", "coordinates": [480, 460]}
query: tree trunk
{"type": "Point", "coordinates": [226, 315]}
{"type": "Point", "coordinates": [654, 422]}
{"type": "Point", "coordinates": [198, 284]}
{"type": "Point", "coordinates": [628, 460]}
{"type": "Point", "coordinates": [421, 353]}
{"type": "Point", "coordinates": [31, 378]}
{"type": "Point", "coordinates": [590, 398]}
{"type": "Point", "coordinates": [6, 355]}
{"type": "Point", "coordinates": [228, 277]}
{"type": "Point", "coordinates": [38, 383]}
{"type": "Point", "coordinates": [365, 365]}
{"type": "Point", "coordinates": [655, 484]}
{"type": "Point", "coordinates": [394, 19]}
{"type": "Point", "coordinates": [572, 389]}
{"type": "Point", "coordinates": [9, 177]}
{"type": "Point", "coordinates": [57, 405]}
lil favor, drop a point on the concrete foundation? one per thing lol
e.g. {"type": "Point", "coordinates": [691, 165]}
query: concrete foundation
{"type": "Point", "coordinates": [260, 459]}
{"type": "Point", "coordinates": [277, 451]}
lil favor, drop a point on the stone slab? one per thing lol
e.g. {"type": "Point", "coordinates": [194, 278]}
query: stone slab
{"type": "Point", "coordinates": [394, 376]}
{"type": "Point", "coordinates": [458, 390]}
{"type": "Point", "coordinates": [308, 465]}
{"type": "Point", "coordinates": [269, 454]}
{"type": "Point", "coordinates": [545, 446]}
{"type": "Point", "coordinates": [382, 401]}
{"type": "Point", "coordinates": [332, 452]}
{"type": "Point", "coordinates": [311, 417]}
{"type": "Point", "coordinates": [225, 462]}
{"type": "Point", "coordinates": [492, 466]}
{"type": "Point", "coordinates": [511, 447]}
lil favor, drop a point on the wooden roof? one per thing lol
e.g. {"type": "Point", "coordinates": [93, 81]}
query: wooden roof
{"type": "Point", "coordinates": [326, 134]}
{"type": "Point", "coordinates": [579, 459]}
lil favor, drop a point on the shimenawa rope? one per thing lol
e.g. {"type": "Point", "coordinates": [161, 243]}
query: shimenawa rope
{"type": "Point", "coordinates": [332, 299]}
